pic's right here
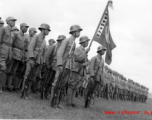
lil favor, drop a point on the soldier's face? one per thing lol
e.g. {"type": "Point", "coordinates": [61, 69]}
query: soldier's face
{"type": "Point", "coordinates": [77, 33]}
{"type": "Point", "coordinates": [102, 52]}
{"type": "Point", "coordinates": [12, 23]}
{"type": "Point", "coordinates": [86, 43]}
{"type": "Point", "coordinates": [32, 33]}
{"type": "Point", "coordinates": [24, 29]}
{"type": "Point", "coordinates": [50, 43]}
{"type": "Point", "coordinates": [46, 32]}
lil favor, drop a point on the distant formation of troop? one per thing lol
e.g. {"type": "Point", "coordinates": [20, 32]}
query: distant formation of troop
{"type": "Point", "coordinates": [61, 70]}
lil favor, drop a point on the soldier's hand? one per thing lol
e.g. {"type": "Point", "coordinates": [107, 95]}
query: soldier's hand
{"type": "Point", "coordinates": [87, 50]}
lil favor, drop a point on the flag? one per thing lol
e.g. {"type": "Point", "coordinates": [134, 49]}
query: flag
{"type": "Point", "coordinates": [103, 35]}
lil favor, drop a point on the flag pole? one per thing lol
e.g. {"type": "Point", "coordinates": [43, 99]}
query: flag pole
{"type": "Point", "coordinates": [110, 1]}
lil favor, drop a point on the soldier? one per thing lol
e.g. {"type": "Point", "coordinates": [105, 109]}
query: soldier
{"type": "Point", "coordinates": [15, 29]}
{"type": "Point", "coordinates": [125, 89]}
{"type": "Point", "coordinates": [5, 47]}
{"type": "Point", "coordinates": [96, 68]}
{"type": "Point", "coordinates": [112, 84]}
{"type": "Point", "coordinates": [65, 57]}
{"type": "Point", "coordinates": [51, 62]}
{"type": "Point", "coordinates": [51, 42]}
{"type": "Point", "coordinates": [22, 66]}
{"type": "Point", "coordinates": [1, 23]}
{"type": "Point", "coordinates": [17, 55]}
{"type": "Point", "coordinates": [79, 70]}
{"type": "Point", "coordinates": [36, 52]}
{"type": "Point", "coordinates": [103, 85]}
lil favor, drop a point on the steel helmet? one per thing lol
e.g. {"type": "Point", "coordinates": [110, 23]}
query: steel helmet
{"type": "Point", "coordinates": [15, 28]}
{"type": "Point", "coordinates": [83, 39]}
{"type": "Point", "coordinates": [44, 26]}
{"type": "Point", "coordinates": [23, 25]}
{"type": "Point", "coordinates": [61, 37]}
{"type": "Point", "coordinates": [74, 28]}
{"type": "Point", "coordinates": [101, 48]}
{"type": "Point", "coordinates": [33, 29]}
{"type": "Point", "coordinates": [52, 40]}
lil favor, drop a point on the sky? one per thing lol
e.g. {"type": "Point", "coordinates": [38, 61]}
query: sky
{"type": "Point", "coordinates": [130, 26]}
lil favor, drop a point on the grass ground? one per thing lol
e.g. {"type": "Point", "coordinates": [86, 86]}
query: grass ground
{"type": "Point", "coordinates": [13, 107]}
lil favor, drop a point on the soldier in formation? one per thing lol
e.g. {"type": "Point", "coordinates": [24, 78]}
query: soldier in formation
{"type": "Point", "coordinates": [61, 69]}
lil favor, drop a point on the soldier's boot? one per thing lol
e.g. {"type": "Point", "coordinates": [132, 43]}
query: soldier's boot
{"type": "Point", "coordinates": [4, 78]}
{"type": "Point", "coordinates": [87, 101]}
{"type": "Point", "coordinates": [69, 97]}
{"type": "Point", "coordinates": [1, 80]}
{"type": "Point", "coordinates": [9, 84]}
{"type": "Point", "coordinates": [19, 84]}
{"type": "Point", "coordinates": [47, 92]}
{"type": "Point", "coordinates": [15, 83]}
{"type": "Point", "coordinates": [109, 97]}
{"type": "Point", "coordinates": [72, 98]}
{"type": "Point", "coordinates": [53, 104]}
{"type": "Point", "coordinates": [34, 85]}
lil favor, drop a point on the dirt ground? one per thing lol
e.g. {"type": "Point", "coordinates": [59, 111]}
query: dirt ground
{"type": "Point", "coordinates": [13, 107]}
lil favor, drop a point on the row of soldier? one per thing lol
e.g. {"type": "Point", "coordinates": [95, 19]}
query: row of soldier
{"type": "Point", "coordinates": [116, 87]}
{"type": "Point", "coordinates": [26, 65]}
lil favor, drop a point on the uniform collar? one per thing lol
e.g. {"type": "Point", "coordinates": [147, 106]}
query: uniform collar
{"type": "Point", "coordinates": [9, 27]}
{"type": "Point", "coordinates": [21, 33]}
{"type": "Point", "coordinates": [41, 35]}
{"type": "Point", "coordinates": [72, 38]}
{"type": "Point", "coordinates": [82, 47]}
{"type": "Point", "coordinates": [99, 56]}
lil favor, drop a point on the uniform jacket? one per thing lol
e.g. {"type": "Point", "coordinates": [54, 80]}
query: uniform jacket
{"type": "Point", "coordinates": [80, 58]}
{"type": "Point", "coordinates": [51, 55]}
{"type": "Point", "coordinates": [18, 46]}
{"type": "Point", "coordinates": [96, 67]}
{"type": "Point", "coordinates": [63, 56]}
{"type": "Point", "coordinates": [27, 42]}
{"type": "Point", "coordinates": [6, 42]}
{"type": "Point", "coordinates": [37, 48]}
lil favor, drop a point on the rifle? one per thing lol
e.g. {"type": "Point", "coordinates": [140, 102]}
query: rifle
{"type": "Point", "coordinates": [25, 85]}
{"type": "Point", "coordinates": [56, 91]}
{"type": "Point", "coordinates": [44, 84]}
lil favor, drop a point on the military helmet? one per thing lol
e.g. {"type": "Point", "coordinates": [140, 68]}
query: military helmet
{"type": "Point", "coordinates": [44, 26]}
{"type": "Point", "coordinates": [74, 28]}
{"type": "Point", "coordinates": [1, 22]}
{"type": "Point", "coordinates": [52, 40]}
{"type": "Point", "coordinates": [33, 29]}
{"type": "Point", "coordinates": [83, 39]}
{"type": "Point", "coordinates": [15, 28]}
{"type": "Point", "coordinates": [101, 48]}
{"type": "Point", "coordinates": [61, 37]}
{"type": "Point", "coordinates": [10, 19]}
{"type": "Point", "coordinates": [23, 25]}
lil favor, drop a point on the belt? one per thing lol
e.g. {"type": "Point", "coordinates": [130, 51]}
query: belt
{"type": "Point", "coordinates": [18, 48]}
{"type": "Point", "coordinates": [8, 44]}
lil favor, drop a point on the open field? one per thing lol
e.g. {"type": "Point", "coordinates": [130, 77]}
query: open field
{"type": "Point", "coordinates": [13, 107]}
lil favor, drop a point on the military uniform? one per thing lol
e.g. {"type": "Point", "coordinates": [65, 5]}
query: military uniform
{"type": "Point", "coordinates": [79, 70]}
{"type": "Point", "coordinates": [5, 49]}
{"type": "Point", "coordinates": [51, 60]}
{"type": "Point", "coordinates": [65, 61]}
{"type": "Point", "coordinates": [36, 53]}
{"type": "Point", "coordinates": [17, 56]}
{"type": "Point", "coordinates": [96, 68]}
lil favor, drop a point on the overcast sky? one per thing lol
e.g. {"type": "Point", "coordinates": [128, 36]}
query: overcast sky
{"type": "Point", "coordinates": [130, 24]}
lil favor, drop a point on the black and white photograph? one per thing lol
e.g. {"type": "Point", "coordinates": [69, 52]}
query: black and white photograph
{"type": "Point", "coordinates": [76, 59]}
